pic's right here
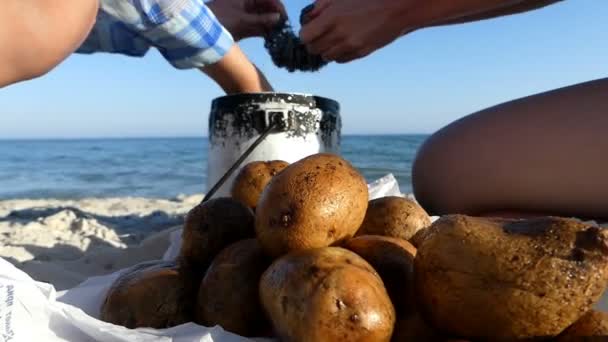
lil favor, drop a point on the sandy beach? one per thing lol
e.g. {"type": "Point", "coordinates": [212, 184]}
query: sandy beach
{"type": "Point", "coordinates": [63, 242]}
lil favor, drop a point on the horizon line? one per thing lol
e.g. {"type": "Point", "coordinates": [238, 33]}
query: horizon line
{"type": "Point", "coordinates": [176, 137]}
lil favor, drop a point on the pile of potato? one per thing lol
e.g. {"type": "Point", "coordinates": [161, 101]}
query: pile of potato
{"type": "Point", "coordinates": [299, 253]}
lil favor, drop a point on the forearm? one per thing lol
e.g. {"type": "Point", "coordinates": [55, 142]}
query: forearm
{"type": "Point", "coordinates": [521, 7]}
{"type": "Point", "coordinates": [234, 73]}
{"type": "Point", "coordinates": [444, 12]}
{"type": "Point", "coordinates": [37, 35]}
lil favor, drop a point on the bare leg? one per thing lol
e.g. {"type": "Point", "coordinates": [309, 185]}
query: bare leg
{"type": "Point", "coordinates": [545, 154]}
{"type": "Point", "coordinates": [37, 35]}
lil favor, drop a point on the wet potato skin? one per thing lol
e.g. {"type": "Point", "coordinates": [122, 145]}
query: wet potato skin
{"type": "Point", "coordinates": [478, 278]}
{"type": "Point", "coordinates": [393, 259]}
{"type": "Point", "coordinates": [251, 180]}
{"type": "Point", "coordinates": [481, 279]}
{"type": "Point", "coordinates": [153, 294]}
{"type": "Point", "coordinates": [315, 202]}
{"type": "Point", "coordinates": [211, 226]}
{"type": "Point", "coordinates": [419, 237]}
{"type": "Point", "coordinates": [395, 217]}
{"type": "Point", "coordinates": [326, 294]}
{"type": "Point", "coordinates": [229, 293]}
{"type": "Point", "coordinates": [593, 326]}
{"type": "Point", "coordinates": [413, 328]}
{"type": "Point", "coordinates": [163, 294]}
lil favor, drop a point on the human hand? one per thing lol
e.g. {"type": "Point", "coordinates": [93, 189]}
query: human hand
{"type": "Point", "coordinates": [344, 30]}
{"type": "Point", "coordinates": [248, 18]}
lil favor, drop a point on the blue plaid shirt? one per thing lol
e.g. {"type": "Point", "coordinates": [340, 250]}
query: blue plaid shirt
{"type": "Point", "coordinates": [185, 32]}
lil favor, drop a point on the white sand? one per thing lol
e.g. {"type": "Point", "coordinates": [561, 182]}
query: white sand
{"type": "Point", "coordinates": [65, 242]}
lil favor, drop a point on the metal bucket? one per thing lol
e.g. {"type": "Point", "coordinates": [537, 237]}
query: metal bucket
{"type": "Point", "coordinates": [304, 125]}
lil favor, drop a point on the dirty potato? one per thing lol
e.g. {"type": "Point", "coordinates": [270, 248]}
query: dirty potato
{"type": "Point", "coordinates": [593, 326]}
{"type": "Point", "coordinates": [229, 293]}
{"type": "Point", "coordinates": [210, 227]}
{"type": "Point", "coordinates": [326, 294]}
{"type": "Point", "coordinates": [395, 217]}
{"type": "Point", "coordinates": [498, 278]}
{"type": "Point", "coordinates": [393, 259]}
{"type": "Point", "coordinates": [153, 294]}
{"type": "Point", "coordinates": [312, 203]}
{"type": "Point", "coordinates": [252, 179]}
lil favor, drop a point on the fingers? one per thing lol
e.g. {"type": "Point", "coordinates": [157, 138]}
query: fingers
{"type": "Point", "coordinates": [314, 30]}
{"type": "Point", "coordinates": [259, 24]}
{"type": "Point", "coordinates": [314, 34]}
{"type": "Point", "coordinates": [265, 6]}
{"type": "Point", "coordinates": [273, 6]}
{"type": "Point", "coordinates": [324, 44]}
{"type": "Point", "coordinates": [344, 52]}
{"type": "Point", "coordinates": [332, 54]}
{"type": "Point", "coordinates": [267, 20]}
{"type": "Point", "coordinates": [320, 6]}
{"type": "Point", "coordinates": [349, 56]}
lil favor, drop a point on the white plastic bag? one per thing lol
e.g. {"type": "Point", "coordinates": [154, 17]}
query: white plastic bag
{"type": "Point", "coordinates": [176, 242]}
{"type": "Point", "coordinates": [383, 187]}
{"type": "Point", "coordinates": [33, 311]}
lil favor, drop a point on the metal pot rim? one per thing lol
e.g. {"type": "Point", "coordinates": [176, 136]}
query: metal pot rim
{"type": "Point", "coordinates": [300, 98]}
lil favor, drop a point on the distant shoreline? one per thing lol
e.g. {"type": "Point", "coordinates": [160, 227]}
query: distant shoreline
{"type": "Point", "coordinates": [2, 140]}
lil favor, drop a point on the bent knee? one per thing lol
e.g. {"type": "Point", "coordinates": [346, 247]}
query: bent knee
{"type": "Point", "coordinates": [66, 26]}
{"type": "Point", "coordinates": [69, 33]}
{"type": "Point", "coordinates": [457, 170]}
{"type": "Point", "coordinates": [432, 180]}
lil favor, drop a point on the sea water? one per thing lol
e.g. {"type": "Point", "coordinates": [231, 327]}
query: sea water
{"type": "Point", "coordinates": [159, 167]}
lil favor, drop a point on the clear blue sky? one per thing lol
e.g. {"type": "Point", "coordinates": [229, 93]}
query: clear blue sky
{"type": "Point", "coordinates": [416, 85]}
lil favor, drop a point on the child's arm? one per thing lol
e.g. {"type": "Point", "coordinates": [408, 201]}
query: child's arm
{"type": "Point", "coordinates": [191, 36]}
{"type": "Point", "coordinates": [234, 73]}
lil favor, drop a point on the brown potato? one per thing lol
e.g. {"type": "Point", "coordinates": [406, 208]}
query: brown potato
{"type": "Point", "coordinates": [413, 329]}
{"type": "Point", "coordinates": [394, 216]}
{"type": "Point", "coordinates": [326, 294]}
{"type": "Point", "coordinates": [509, 279]}
{"type": "Point", "coordinates": [393, 259]}
{"type": "Point", "coordinates": [419, 237]}
{"type": "Point", "coordinates": [593, 326]}
{"type": "Point", "coordinates": [154, 294]}
{"type": "Point", "coordinates": [313, 203]}
{"type": "Point", "coordinates": [229, 293]}
{"type": "Point", "coordinates": [210, 227]}
{"type": "Point", "coordinates": [252, 179]}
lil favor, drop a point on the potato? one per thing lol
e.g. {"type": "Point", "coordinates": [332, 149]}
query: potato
{"type": "Point", "coordinates": [312, 203]}
{"type": "Point", "coordinates": [229, 293]}
{"type": "Point", "coordinates": [593, 326]}
{"type": "Point", "coordinates": [153, 294]}
{"type": "Point", "coordinates": [252, 179]}
{"type": "Point", "coordinates": [501, 278]}
{"type": "Point", "coordinates": [393, 259]}
{"type": "Point", "coordinates": [210, 227]}
{"type": "Point", "coordinates": [413, 328]}
{"type": "Point", "coordinates": [394, 216]}
{"type": "Point", "coordinates": [419, 237]}
{"type": "Point", "coordinates": [326, 294]}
